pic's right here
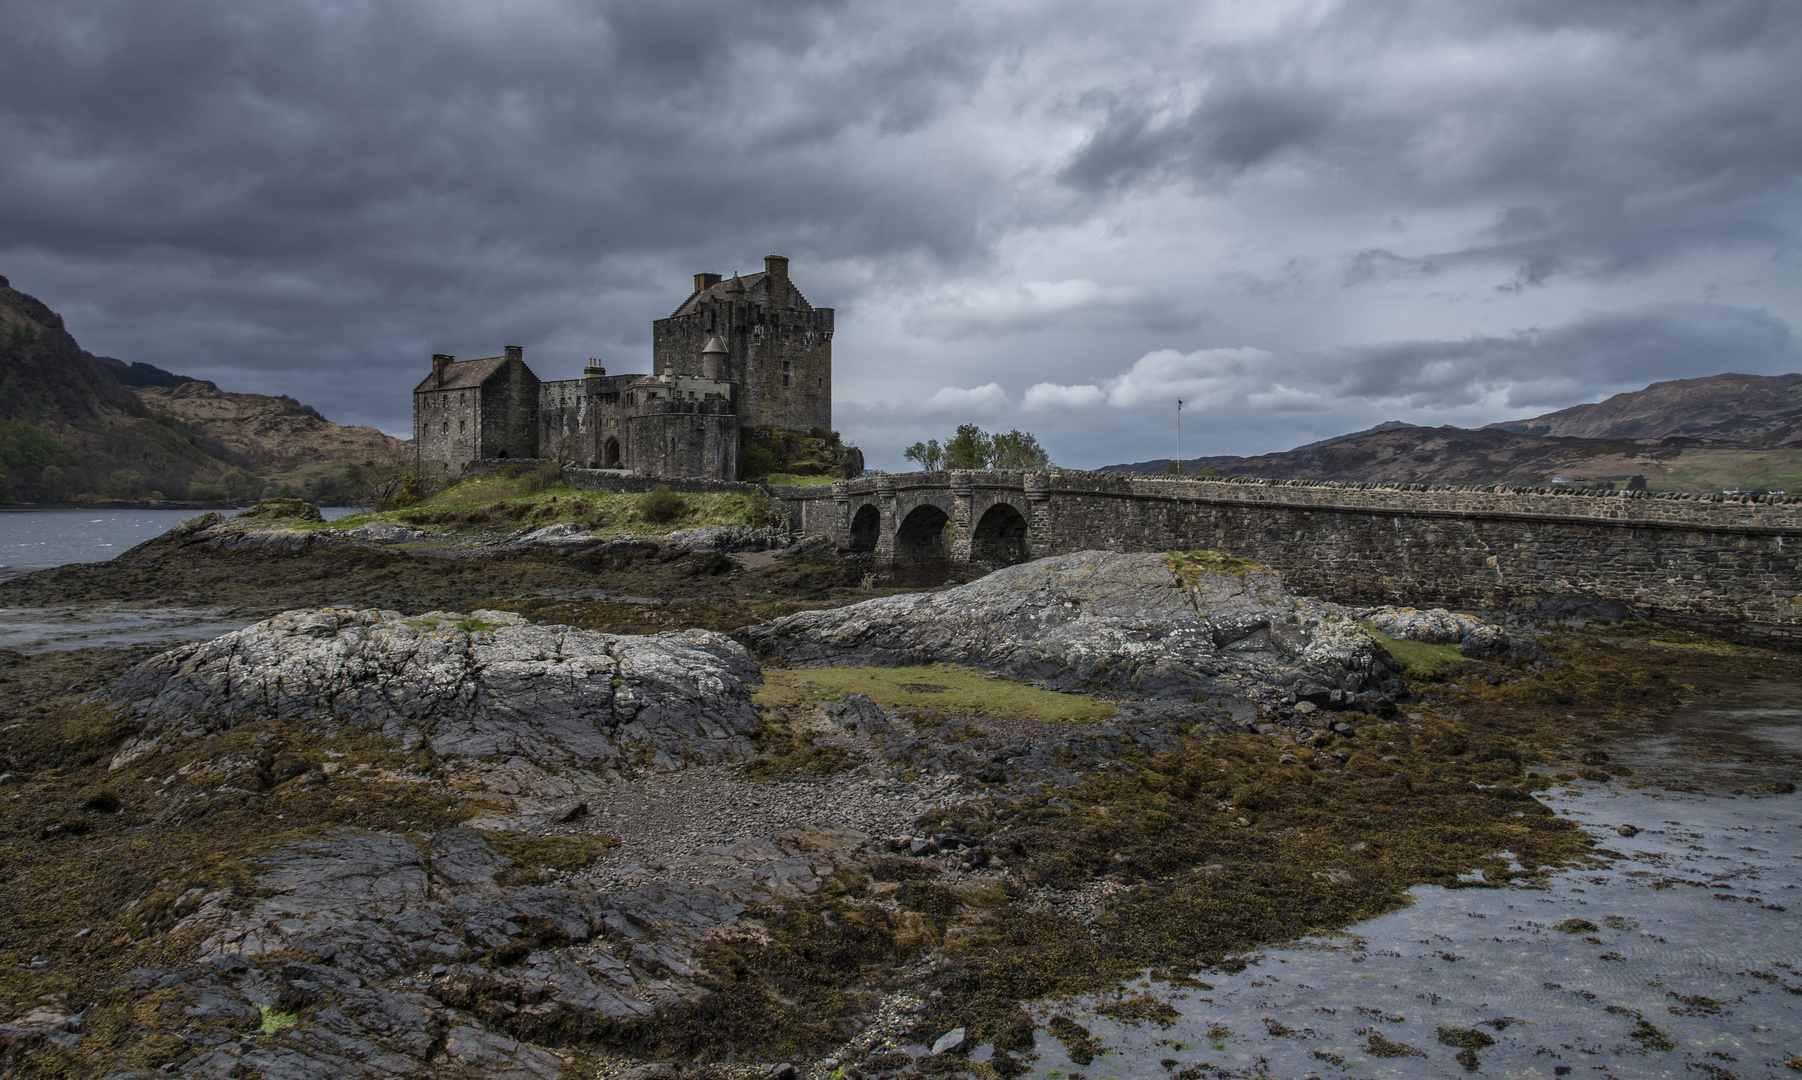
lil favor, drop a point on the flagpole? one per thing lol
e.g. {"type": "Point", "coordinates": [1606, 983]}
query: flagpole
{"type": "Point", "coordinates": [1179, 436]}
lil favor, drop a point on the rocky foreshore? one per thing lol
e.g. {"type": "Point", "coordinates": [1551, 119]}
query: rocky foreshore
{"type": "Point", "coordinates": [351, 841]}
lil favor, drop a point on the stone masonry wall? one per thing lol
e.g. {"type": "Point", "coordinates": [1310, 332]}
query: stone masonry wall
{"type": "Point", "coordinates": [1728, 562]}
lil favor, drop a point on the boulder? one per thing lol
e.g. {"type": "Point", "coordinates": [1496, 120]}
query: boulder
{"type": "Point", "coordinates": [562, 538]}
{"type": "Point", "coordinates": [728, 538]}
{"type": "Point", "coordinates": [1475, 638]}
{"type": "Point", "coordinates": [1135, 625]}
{"type": "Point", "coordinates": [482, 685]}
{"type": "Point", "coordinates": [386, 532]}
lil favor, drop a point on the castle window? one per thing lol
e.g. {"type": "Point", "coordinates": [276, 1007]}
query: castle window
{"type": "Point", "coordinates": [446, 430]}
{"type": "Point", "coordinates": [785, 373]}
{"type": "Point", "coordinates": [460, 425]}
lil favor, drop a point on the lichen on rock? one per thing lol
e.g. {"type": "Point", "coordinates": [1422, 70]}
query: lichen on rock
{"type": "Point", "coordinates": [468, 686]}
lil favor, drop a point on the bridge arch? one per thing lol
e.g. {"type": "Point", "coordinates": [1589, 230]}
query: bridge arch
{"type": "Point", "coordinates": [866, 528]}
{"type": "Point", "coordinates": [1000, 537]}
{"type": "Point", "coordinates": [921, 543]}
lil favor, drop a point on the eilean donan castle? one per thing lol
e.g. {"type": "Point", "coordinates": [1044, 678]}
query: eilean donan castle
{"type": "Point", "coordinates": [738, 354]}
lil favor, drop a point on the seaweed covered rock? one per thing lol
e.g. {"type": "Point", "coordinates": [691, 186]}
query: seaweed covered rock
{"type": "Point", "coordinates": [1137, 625]}
{"type": "Point", "coordinates": [270, 525]}
{"type": "Point", "coordinates": [1436, 626]}
{"type": "Point", "coordinates": [476, 685]}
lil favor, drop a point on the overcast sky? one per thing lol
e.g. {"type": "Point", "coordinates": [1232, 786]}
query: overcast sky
{"type": "Point", "coordinates": [1303, 218]}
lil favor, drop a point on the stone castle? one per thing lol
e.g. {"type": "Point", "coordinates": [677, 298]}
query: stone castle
{"type": "Point", "coordinates": [737, 355]}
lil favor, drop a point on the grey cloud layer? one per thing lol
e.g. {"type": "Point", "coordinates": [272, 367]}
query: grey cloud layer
{"type": "Point", "coordinates": [309, 198]}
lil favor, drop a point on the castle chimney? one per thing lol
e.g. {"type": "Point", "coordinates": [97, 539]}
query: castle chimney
{"type": "Point", "coordinates": [776, 266]}
{"type": "Point", "coordinates": [713, 360]}
{"type": "Point", "coordinates": [514, 352]}
{"type": "Point", "coordinates": [703, 282]}
{"type": "Point", "coordinates": [594, 370]}
{"type": "Point", "coordinates": [441, 362]}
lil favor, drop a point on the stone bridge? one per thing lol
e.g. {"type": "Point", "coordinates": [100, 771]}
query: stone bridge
{"type": "Point", "coordinates": [1722, 561]}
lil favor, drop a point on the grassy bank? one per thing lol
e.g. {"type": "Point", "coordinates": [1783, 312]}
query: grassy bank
{"type": "Point", "coordinates": [943, 688]}
{"type": "Point", "coordinates": [490, 504]}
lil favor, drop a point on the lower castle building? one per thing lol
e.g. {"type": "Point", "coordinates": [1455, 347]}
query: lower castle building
{"type": "Point", "coordinates": [737, 355]}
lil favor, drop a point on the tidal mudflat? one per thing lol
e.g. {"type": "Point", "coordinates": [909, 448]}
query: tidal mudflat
{"type": "Point", "coordinates": [1678, 952]}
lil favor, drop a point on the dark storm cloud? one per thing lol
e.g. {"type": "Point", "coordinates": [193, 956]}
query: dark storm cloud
{"type": "Point", "coordinates": [255, 183]}
{"type": "Point", "coordinates": [1231, 131]}
{"type": "Point", "coordinates": [311, 197]}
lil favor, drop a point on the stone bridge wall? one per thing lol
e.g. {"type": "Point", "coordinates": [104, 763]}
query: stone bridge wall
{"type": "Point", "coordinates": [1724, 561]}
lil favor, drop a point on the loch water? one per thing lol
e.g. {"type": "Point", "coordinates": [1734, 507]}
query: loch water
{"type": "Point", "coordinates": [1679, 954]}
{"type": "Point", "coordinates": [40, 539]}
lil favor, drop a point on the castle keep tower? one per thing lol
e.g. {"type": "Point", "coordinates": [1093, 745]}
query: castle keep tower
{"type": "Point", "coordinates": [778, 347]}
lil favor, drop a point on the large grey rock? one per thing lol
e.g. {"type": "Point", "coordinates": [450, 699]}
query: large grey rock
{"type": "Point", "coordinates": [485, 685]}
{"type": "Point", "coordinates": [249, 531]}
{"type": "Point", "coordinates": [727, 538]}
{"type": "Point", "coordinates": [386, 532]}
{"type": "Point", "coordinates": [1127, 623]}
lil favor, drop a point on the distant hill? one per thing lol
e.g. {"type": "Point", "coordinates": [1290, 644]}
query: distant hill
{"type": "Point", "coordinates": [1765, 410]}
{"type": "Point", "coordinates": [139, 373]}
{"type": "Point", "coordinates": [275, 435]}
{"type": "Point", "coordinates": [1726, 431]}
{"type": "Point", "coordinates": [74, 426]}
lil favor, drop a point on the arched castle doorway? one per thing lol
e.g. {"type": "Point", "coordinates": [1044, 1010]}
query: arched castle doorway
{"type": "Point", "coordinates": [610, 453]}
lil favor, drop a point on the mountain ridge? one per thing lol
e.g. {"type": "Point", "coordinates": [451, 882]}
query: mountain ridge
{"type": "Point", "coordinates": [1719, 431]}
{"type": "Point", "coordinates": [75, 426]}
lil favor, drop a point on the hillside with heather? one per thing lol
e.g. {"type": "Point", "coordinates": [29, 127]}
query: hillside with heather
{"type": "Point", "coordinates": [79, 427]}
{"type": "Point", "coordinates": [1764, 410]}
{"type": "Point", "coordinates": [1740, 432]}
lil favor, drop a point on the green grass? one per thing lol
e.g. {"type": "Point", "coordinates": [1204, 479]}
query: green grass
{"type": "Point", "coordinates": [797, 480]}
{"type": "Point", "coordinates": [943, 688]}
{"type": "Point", "coordinates": [489, 504]}
{"type": "Point", "coordinates": [1716, 470]}
{"type": "Point", "coordinates": [1417, 658]}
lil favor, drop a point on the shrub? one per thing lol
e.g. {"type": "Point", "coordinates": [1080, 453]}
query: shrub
{"type": "Point", "coordinates": [661, 505]}
{"type": "Point", "coordinates": [755, 462]}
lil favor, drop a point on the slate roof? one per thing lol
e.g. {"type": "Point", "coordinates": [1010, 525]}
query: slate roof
{"type": "Point", "coordinates": [724, 289]}
{"type": "Point", "coordinates": [464, 374]}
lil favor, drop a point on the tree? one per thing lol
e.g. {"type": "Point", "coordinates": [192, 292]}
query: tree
{"type": "Point", "coordinates": [926, 454]}
{"type": "Point", "coordinates": [383, 483]}
{"type": "Point", "coordinates": [1017, 450]}
{"type": "Point", "coordinates": [974, 448]}
{"type": "Point", "coordinates": [124, 484]}
{"type": "Point", "coordinates": [969, 449]}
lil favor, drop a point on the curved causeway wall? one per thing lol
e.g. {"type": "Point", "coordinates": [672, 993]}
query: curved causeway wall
{"type": "Point", "coordinates": [1730, 562]}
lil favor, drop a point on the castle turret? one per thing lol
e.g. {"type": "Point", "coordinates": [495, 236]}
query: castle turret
{"type": "Point", "coordinates": [713, 360]}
